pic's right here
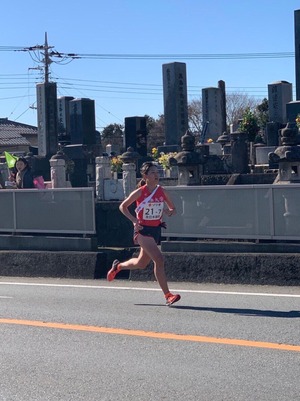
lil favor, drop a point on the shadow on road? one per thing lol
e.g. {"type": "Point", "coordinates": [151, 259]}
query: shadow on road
{"type": "Point", "coordinates": [244, 312]}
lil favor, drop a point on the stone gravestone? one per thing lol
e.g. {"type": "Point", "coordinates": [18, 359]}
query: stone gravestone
{"type": "Point", "coordinates": [82, 121]}
{"type": "Point", "coordinates": [212, 101]}
{"type": "Point", "coordinates": [279, 94]}
{"type": "Point", "coordinates": [175, 105]}
{"type": "Point", "coordinates": [63, 117]}
{"type": "Point", "coordinates": [273, 133]}
{"type": "Point", "coordinates": [297, 51]}
{"type": "Point", "coordinates": [239, 152]}
{"type": "Point", "coordinates": [136, 134]}
{"type": "Point", "coordinates": [221, 86]}
{"type": "Point", "coordinates": [292, 110]}
{"type": "Point", "coordinates": [47, 118]}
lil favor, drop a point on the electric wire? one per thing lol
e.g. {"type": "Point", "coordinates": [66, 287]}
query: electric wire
{"type": "Point", "coordinates": [121, 88]}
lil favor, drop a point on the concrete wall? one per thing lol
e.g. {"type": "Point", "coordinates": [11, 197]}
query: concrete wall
{"type": "Point", "coordinates": [255, 269]}
{"type": "Point", "coordinates": [233, 268]}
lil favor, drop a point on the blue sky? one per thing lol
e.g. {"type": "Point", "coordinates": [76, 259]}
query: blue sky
{"type": "Point", "coordinates": [126, 87]}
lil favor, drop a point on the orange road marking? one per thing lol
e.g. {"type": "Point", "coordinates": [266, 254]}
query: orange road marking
{"type": "Point", "coordinates": [152, 334]}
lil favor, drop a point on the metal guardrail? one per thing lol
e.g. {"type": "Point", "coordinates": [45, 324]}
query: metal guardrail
{"type": "Point", "coordinates": [235, 212]}
{"type": "Point", "coordinates": [60, 211]}
{"type": "Point", "coordinates": [229, 212]}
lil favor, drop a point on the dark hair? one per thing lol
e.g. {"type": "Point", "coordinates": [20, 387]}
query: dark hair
{"type": "Point", "coordinates": [145, 167]}
{"type": "Point", "coordinates": [22, 159]}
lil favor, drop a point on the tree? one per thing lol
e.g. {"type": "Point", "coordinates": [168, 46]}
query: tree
{"type": "Point", "coordinates": [112, 134]}
{"type": "Point", "coordinates": [236, 106]}
{"type": "Point", "coordinates": [262, 111]}
{"type": "Point", "coordinates": [156, 127]}
{"type": "Point", "coordinates": [156, 132]}
{"type": "Point", "coordinates": [195, 116]}
{"type": "Point", "coordinates": [249, 124]}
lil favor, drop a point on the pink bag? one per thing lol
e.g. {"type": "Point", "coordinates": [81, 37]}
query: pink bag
{"type": "Point", "coordinates": [38, 182]}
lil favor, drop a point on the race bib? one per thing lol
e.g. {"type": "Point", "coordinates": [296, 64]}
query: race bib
{"type": "Point", "coordinates": [153, 211]}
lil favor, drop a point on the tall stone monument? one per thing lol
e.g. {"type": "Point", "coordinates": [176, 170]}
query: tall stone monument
{"type": "Point", "coordinates": [297, 51]}
{"type": "Point", "coordinates": [175, 104]}
{"type": "Point", "coordinates": [63, 116]}
{"type": "Point", "coordinates": [279, 94]}
{"type": "Point", "coordinates": [221, 86]}
{"type": "Point", "coordinates": [47, 118]}
{"type": "Point", "coordinates": [212, 111]}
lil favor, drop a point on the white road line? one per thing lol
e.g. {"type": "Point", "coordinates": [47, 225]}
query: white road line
{"type": "Point", "coordinates": [106, 287]}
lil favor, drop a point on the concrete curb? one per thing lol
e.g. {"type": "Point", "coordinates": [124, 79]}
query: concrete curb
{"type": "Point", "coordinates": [255, 269]}
{"type": "Point", "coordinates": [51, 264]}
{"type": "Point", "coordinates": [239, 268]}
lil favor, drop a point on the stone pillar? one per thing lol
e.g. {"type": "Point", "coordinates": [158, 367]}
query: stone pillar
{"type": "Point", "coordinates": [239, 152]}
{"type": "Point", "coordinates": [46, 95]}
{"type": "Point", "coordinates": [175, 102]}
{"type": "Point", "coordinates": [129, 178]}
{"type": "Point", "coordinates": [82, 121]}
{"type": "Point", "coordinates": [279, 94]}
{"type": "Point", "coordinates": [58, 173]}
{"type": "Point", "coordinates": [212, 103]}
{"type": "Point", "coordinates": [273, 133]}
{"type": "Point", "coordinates": [102, 172]}
{"type": "Point", "coordinates": [221, 86]}
{"type": "Point", "coordinates": [297, 51]}
{"type": "Point", "coordinates": [136, 134]}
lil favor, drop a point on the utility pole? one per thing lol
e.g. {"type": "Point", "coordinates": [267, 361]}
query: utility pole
{"type": "Point", "coordinates": [46, 91]}
{"type": "Point", "coordinates": [46, 55]}
{"type": "Point", "coordinates": [47, 61]}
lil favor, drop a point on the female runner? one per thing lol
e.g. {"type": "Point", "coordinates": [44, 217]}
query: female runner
{"type": "Point", "coordinates": [150, 199]}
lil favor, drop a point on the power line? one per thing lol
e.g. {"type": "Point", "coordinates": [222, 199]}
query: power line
{"type": "Point", "coordinates": [120, 56]}
{"type": "Point", "coordinates": [45, 55]}
{"type": "Point", "coordinates": [217, 56]}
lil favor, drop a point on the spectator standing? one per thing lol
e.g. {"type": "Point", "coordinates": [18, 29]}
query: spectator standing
{"type": "Point", "coordinates": [24, 177]}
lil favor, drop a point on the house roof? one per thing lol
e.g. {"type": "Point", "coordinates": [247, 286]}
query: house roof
{"type": "Point", "coordinates": [11, 133]}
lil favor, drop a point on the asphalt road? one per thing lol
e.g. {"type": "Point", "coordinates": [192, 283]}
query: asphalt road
{"type": "Point", "coordinates": [92, 340]}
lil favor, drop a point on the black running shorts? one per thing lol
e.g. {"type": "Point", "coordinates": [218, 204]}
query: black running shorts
{"type": "Point", "coordinates": [149, 231]}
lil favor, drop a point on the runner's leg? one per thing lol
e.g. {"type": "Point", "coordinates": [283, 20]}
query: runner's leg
{"type": "Point", "coordinates": [152, 251]}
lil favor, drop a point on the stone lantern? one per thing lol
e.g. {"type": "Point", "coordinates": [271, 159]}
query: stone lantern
{"type": "Point", "coordinates": [102, 173]}
{"type": "Point", "coordinates": [288, 158]}
{"type": "Point", "coordinates": [224, 140]}
{"type": "Point", "coordinates": [129, 159]}
{"type": "Point", "coordinates": [130, 156]}
{"type": "Point", "coordinates": [190, 166]}
{"type": "Point", "coordinates": [58, 170]}
{"type": "Point", "coordinates": [189, 162]}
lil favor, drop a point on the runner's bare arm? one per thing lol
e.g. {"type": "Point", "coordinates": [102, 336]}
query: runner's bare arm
{"type": "Point", "coordinates": [129, 201]}
{"type": "Point", "coordinates": [171, 207]}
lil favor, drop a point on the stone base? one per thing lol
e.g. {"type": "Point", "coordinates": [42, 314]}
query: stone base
{"type": "Point", "coordinates": [281, 269]}
{"type": "Point", "coordinates": [238, 268]}
{"type": "Point", "coordinates": [79, 265]}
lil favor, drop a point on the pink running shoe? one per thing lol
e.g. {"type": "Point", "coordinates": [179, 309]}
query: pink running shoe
{"type": "Point", "coordinates": [172, 299]}
{"type": "Point", "coordinates": [113, 271]}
